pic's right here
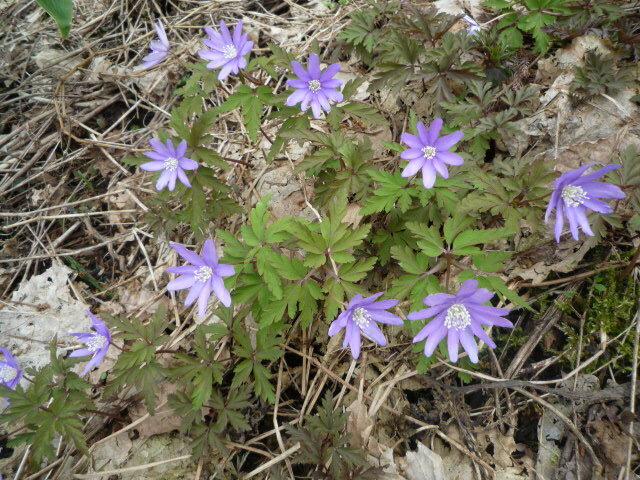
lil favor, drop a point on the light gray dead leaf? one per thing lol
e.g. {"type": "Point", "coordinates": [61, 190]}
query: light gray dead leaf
{"type": "Point", "coordinates": [424, 464]}
{"type": "Point", "coordinates": [359, 423]}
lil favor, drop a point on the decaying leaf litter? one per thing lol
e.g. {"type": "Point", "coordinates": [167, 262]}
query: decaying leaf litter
{"type": "Point", "coordinates": [74, 237]}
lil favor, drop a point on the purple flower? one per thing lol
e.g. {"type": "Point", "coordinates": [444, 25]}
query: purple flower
{"type": "Point", "coordinates": [360, 317]}
{"type": "Point", "coordinates": [574, 194]}
{"type": "Point", "coordinates": [171, 160]}
{"type": "Point", "coordinates": [201, 277]}
{"type": "Point", "coordinates": [10, 372]}
{"type": "Point", "coordinates": [314, 87]}
{"type": "Point", "coordinates": [97, 343]}
{"type": "Point", "coordinates": [159, 49]}
{"type": "Point", "coordinates": [473, 25]}
{"type": "Point", "coordinates": [226, 50]}
{"type": "Point", "coordinates": [430, 153]}
{"type": "Point", "coordinates": [459, 317]}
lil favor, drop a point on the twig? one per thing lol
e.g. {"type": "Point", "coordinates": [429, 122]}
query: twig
{"type": "Point", "coordinates": [107, 473]}
{"type": "Point", "coordinates": [632, 402]}
{"type": "Point", "coordinates": [594, 458]}
{"type": "Point", "coordinates": [287, 453]}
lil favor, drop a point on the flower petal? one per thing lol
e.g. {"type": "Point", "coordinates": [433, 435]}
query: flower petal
{"type": "Point", "coordinates": [186, 269]}
{"type": "Point", "coordinates": [452, 344]}
{"type": "Point", "coordinates": [423, 133]}
{"type": "Point", "coordinates": [223, 270]}
{"type": "Point", "coordinates": [597, 173]}
{"type": "Point", "coordinates": [383, 316]}
{"type": "Point", "coordinates": [427, 312]}
{"type": "Point", "coordinates": [434, 131]}
{"type": "Point", "coordinates": [469, 345]}
{"type": "Point", "coordinates": [182, 282]}
{"type": "Point", "coordinates": [208, 253]}
{"type": "Point", "coordinates": [553, 201]}
{"type": "Point", "coordinates": [429, 328]}
{"type": "Point", "coordinates": [434, 339]}
{"type": "Point", "coordinates": [339, 323]}
{"type": "Point", "coordinates": [428, 175]}
{"type": "Point", "coordinates": [221, 291]}
{"type": "Point", "coordinates": [438, 298]}
{"type": "Point", "coordinates": [155, 156]}
{"type": "Point", "coordinates": [582, 220]}
{"type": "Point", "coordinates": [372, 331]}
{"type": "Point", "coordinates": [159, 147]}
{"type": "Point", "coordinates": [225, 71]}
{"type": "Point", "coordinates": [181, 149]}
{"type": "Point", "coordinates": [194, 293]}
{"type": "Point", "coordinates": [329, 72]}
{"type": "Point", "coordinates": [449, 158]}
{"type": "Point", "coordinates": [203, 299]}
{"type": "Point", "coordinates": [412, 141]}
{"type": "Point", "coordinates": [313, 66]}
{"type": "Point", "coordinates": [297, 83]}
{"type": "Point", "coordinates": [331, 84]}
{"type": "Point", "coordinates": [602, 190]}
{"type": "Point", "coordinates": [448, 141]}
{"type": "Point", "coordinates": [188, 255]}
{"type": "Point", "coordinates": [316, 108]}
{"type": "Point", "coordinates": [413, 167]}
{"type": "Point", "coordinates": [479, 332]}
{"type": "Point", "coordinates": [163, 180]}
{"type": "Point", "coordinates": [597, 205]}
{"type": "Point", "coordinates": [224, 31]}
{"type": "Point", "coordinates": [412, 153]}
{"type": "Point", "coordinates": [559, 221]}
{"type": "Point", "coordinates": [440, 167]}
{"type": "Point", "coordinates": [299, 71]}
{"type": "Point", "coordinates": [296, 97]}
{"type": "Point", "coordinates": [354, 340]}
{"type": "Point", "coordinates": [573, 221]}
{"type": "Point", "coordinates": [382, 305]}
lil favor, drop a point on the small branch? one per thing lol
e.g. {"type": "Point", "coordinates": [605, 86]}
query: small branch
{"type": "Point", "coordinates": [265, 135]}
{"type": "Point", "coordinates": [233, 160]}
{"type": "Point", "coordinates": [634, 260]}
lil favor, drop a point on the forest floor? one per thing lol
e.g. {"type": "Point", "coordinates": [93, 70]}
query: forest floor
{"type": "Point", "coordinates": [77, 233]}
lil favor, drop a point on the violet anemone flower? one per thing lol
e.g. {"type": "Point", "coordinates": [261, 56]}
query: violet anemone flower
{"type": "Point", "coordinates": [203, 276]}
{"type": "Point", "coordinates": [459, 318]}
{"type": "Point", "coordinates": [574, 194]}
{"type": "Point", "coordinates": [97, 343]}
{"type": "Point", "coordinates": [159, 48]}
{"type": "Point", "coordinates": [429, 153]}
{"type": "Point", "coordinates": [314, 87]}
{"type": "Point", "coordinates": [171, 160]}
{"type": "Point", "coordinates": [226, 50]}
{"type": "Point", "coordinates": [473, 27]}
{"type": "Point", "coordinates": [360, 317]}
{"type": "Point", "coordinates": [10, 372]}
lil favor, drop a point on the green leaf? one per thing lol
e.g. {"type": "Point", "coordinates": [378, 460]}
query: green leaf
{"type": "Point", "coordinates": [250, 101]}
{"type": "Point", "coordinates": [498, 285]}
{"type": "Point", "coordinates": [61, 11]}
{"type": "Point", "coordinates": [479, 237]}
{"type": "Point", "coordinates": [410, 261]}
{"type": "Point", "coordinates": [429, 239]}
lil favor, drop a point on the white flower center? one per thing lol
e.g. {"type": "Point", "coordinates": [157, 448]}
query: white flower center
{"type": "Point", "coordinates": [170, 164]}
{"type": "Point", "coordinates": [429, 152]}
{"type": "Point", "coordinates": [314, 85]}
{"type": "Point", "coordinates": [95, 342]}
{"type": "Point", "coordinates": [361, 317]}
{"type": "Point", "coordinates": [574, 196]}
{"type": "Point", "coordinates": [229, 51]}
{"type": "Point", "coordinates": [7, 373]}
{"type": "Point", "coordinates": [203, 274]}
{"type": "Point", "coordinates": [457, 317]}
